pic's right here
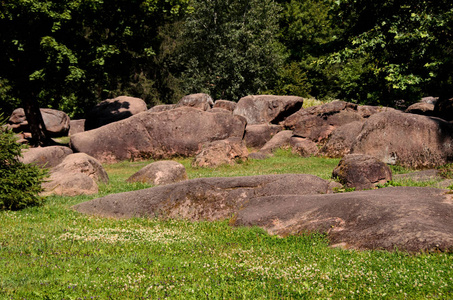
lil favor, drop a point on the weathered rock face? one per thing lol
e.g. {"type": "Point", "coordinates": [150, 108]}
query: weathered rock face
{"type": "Point", "coordinates": [340, 141]}
{"type": "Point", "coordinates": [163, 107]}
{"type": "Point", "coordinates": [225, 104]}
{"type": "Point", "coordinates": [47, 157]}
{"type": "Point", "coordinates": [264, 109]}
{"type": "Point", "coordinates": [303, 147]}
{"type": "Point", "coordinates": [201, 101]}
{"type": "Point", "coordinates": [223, 152]}
{"type": "Point", "coordinates": [177, 132]}
{"type": "Point", "coordinates": [160, 173]}
{"type": "Point", "coordinates": [444, 109]}
{"type": "Point", "coordinates": [403, 218]}
{"type": "Point", "coordinates": [77, 174]}
{"type": "Point", "coordinates": [113, 110]}
{"type": "Point", "coordinates": [69, 184]}
{"type": "Point", "coordinates": [279, 140]}
{"type": "Point", "coordinates": [256, 136]}
{"type": "Point", "coordinates": [76, 126]}
{"type": "Point", "coordinates": [365, 111]}
{"type": "Point", "coordinates": [56, 121]}
{"type": "Point", "coordinates": [203, 198]}
{"type": "Point", "coordinates": [317, 122]}
{"type": "Point", "coordinates": [82, 163]}
{"type": "Point", "coordinates": [421, 108]}
{"type": "Point", "coordinates": [362, 172]}
{"type": "Point", "coordinates": [429, 100]}
{"type": "Point", "coordinates": [406, 218]}
{"type": "Point", "coordinates": [406, 139]}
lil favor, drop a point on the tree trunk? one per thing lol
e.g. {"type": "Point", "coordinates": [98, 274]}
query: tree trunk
{"type": "Point", "coordinates": [35, 121]}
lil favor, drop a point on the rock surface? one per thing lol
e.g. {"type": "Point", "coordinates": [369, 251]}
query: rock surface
{"type": "Point", "coordinates": [77, 174]}
{"type": "Point", "coordinates": [57, 122]}
{"type": "Point", "coordinates": [406, 139]}
{"type": "Point", "coordinates": [303, 147]}
{"type": "Point", "coordinates": [201, 101]}
{"type": "Point", "coordinates": [264, 109]}
{"type": "Point", "coordinates": [163, 107]}
{"type": "Point", "coordinates": [317, 122]}
{"type": "Point", "coordinates": [203, 198]}
{"type": "Point", "coordinates": [340, 141]}
{"type": "Point", "coordinates": [421, 108]}
{"type": "Point", "coordinates": [69, 184]}
{"type": "Point", "coordinates": [403, 218]}
{"type": "Point", "coordinates": [177, 132]}
{"type": "Point", "coordinates": [361, 172]}
{"type": "Point", "coordinates": [113, 110]}
{"type": "Point", "coordinates": [444, 109]}
{"type": "Point", "coordinates": [223, 152]}
{"type": "Point", "coordinates": [76, 126]}
{"type": "Point", "coordinates": [46, 157]}
{"type": "Point", "coordinates": [279, 140]}
{"type": "Point", "coordinates": [225, 104]}
{"type": "Point", "coordinates": [160, 173]}
{"type": "Point", "coordinates": [82, 163]}
{"type": "Point", "coordinates": [256, 136]}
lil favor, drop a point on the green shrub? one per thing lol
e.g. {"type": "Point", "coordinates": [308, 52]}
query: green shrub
{"type": "Point", "coordinates": [20, 184]}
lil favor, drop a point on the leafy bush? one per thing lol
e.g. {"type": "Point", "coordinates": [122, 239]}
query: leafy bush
{"type": "Point", "coordinates": [20, 183]}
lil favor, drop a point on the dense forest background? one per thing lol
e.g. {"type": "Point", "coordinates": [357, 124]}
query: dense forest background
{"type": "Point", "coordinates": [70, 54]}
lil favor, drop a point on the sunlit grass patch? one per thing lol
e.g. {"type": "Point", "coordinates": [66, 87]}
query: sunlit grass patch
{"type": "Point", "coordinates": [52, 252]}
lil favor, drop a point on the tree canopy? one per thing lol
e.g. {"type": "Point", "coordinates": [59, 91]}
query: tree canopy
{"type": "Point", "coordinates": [69, 54]}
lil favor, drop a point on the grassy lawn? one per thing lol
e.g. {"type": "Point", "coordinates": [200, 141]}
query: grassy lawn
{"type": "Point", "coordinates": [52, 252]}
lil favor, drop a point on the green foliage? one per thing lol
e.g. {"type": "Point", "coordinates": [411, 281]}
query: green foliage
{"type": "Point", "coordinates": [291, 80]}
{"type": "Point", "coordinates": [66, 56]}
{"type": "Point", "coordinates": [310, 34]}
{"type": "Point", "coordinates": [230, 48]}
{"type": "Point", "coordinates": [404, 48]}
{"type": "Point", "coordinates": [20, 184]}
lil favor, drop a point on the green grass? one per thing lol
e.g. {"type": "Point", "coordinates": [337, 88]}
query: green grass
{"type": "Point", "coordinates": [52, 252]}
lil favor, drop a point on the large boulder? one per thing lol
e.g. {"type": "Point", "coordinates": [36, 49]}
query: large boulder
{"type": "Point", "coordinates": [444, 109]}
{"type": "Point", "coordinates": [203, 198]}
{"type": "Point", "coordinates": [77, 174]}
{"type": "Point", "coordinates": [77, 126]}
{"type": "Point", "coordinates": [160, 173]}
{"type": "Point", "coordinates": [303, 147]}
{"type": "Point", "coordinates": [177, 132]}
{"type": "Point", "coordinates": [256, 136]}
{"type": "Point", "coordinates": [223, 152]}
{"type": "Point", "coordinates": [46, 157]}
{"type": "Point", "coordinates": [317, 122]}
{"type": "Point", "coordinates": [82, 163]}
{"type": "Point", "coordinates": [201, 101]}
{"type": "Point", "coordinates": [263, 109]}
{"type": "Point", "coordinates": [361, 172]}
{"type": "Point", "coordinates": [69, 184]}
{"type": "Point", "coordinates": [402, 218]}
{"type": "Point", "coordinates": [406, 139]}
{"type": "Point", "coordinates": [225, 104]}
{"type": "Point", "coordinates": [365, 111]}
{"type": "Point", "coordinates": [113, 110]}
{"type": "Point", "coordinates": [162, 107]}
{"type": "Point", "coordinates": [279, 140]}
{"type": "Point", "coordinates": [340, 141]}
{"type": "Point", "coordinates": [57, 122]}
{"type": "Point", "coordinates": [421, 108]}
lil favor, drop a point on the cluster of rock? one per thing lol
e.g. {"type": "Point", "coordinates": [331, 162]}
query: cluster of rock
{"type": "Point", "coordinates": [367, 138]}
{"type": "Point", "coordinates": [404, 218]}
{"type": "Point", "coordinates": [222, 132]}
